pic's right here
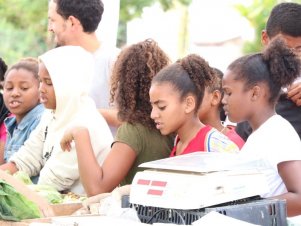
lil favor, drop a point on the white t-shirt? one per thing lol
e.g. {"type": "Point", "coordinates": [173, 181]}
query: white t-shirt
{"type": "Point", "coordinates": [275, 141]}
{"type": "Point", "coordinates": [105, 58]}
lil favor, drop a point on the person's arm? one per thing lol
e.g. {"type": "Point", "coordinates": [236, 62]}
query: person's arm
{"type": "Point", "coordinates": [2, 146]}
{"type": "Point", "coordinates": [290, 172]}
{"type": "Point", "coordinates": [98, 179]}
{"type": "Point", "coordinates": [294, 93]}
{"type": "Point", "coordinates": [10, 166]}
{"type": "Point", "coordinates": [29, 156]}
{"type": "Point", "coordinates": [110, 116]}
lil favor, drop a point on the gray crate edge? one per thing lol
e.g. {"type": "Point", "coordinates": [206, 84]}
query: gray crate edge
{"type": "Point", "coordinates": [265, 212]}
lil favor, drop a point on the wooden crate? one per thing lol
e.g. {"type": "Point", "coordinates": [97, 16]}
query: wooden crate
{"type": "Point", "coordinates": [64, 209]}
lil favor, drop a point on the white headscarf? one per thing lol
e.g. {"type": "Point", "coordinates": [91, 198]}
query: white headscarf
{"type": "Point", "coordinates": [71, 69]}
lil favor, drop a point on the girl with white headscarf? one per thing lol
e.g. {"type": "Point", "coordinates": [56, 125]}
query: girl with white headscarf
{"type": "Point", "coordinates": [69, 70]}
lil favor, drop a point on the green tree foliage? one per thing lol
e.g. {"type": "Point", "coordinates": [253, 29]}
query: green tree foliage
{"type": "Point", "coordinates": [130, 9]}
{"type": "Point", "coordinates": [23, 28]}
{"type": "Point", "coordinates": [23, 24]}
{"type": "Point", "coordinates": [257, 14]}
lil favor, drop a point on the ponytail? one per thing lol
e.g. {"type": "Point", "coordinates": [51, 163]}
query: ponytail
{"type": "Point", "coordinates": [277, 66]}
{"type": "Point", "coordinates": [283, 63]}
{"type": "Point", "coordinates": [199, 72]}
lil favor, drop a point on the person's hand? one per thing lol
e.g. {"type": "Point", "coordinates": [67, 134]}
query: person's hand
{"type": "Point", "coordinates": [102, 203]}
{"type": "Point", "coordinates": [294, 93]}
{"type": "Point", "coordinates": [69, 136]}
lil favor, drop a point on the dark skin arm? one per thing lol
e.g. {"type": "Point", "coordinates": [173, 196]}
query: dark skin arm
{"type": "Point", "coordinates": [290, 173]}
{"type": "Point", "coordinates": [98, 179]}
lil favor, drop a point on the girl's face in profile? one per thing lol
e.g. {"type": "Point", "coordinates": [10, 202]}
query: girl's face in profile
{"type": "Point", "coordinates": [237, 101]}
{"type": "Point", "coordinates": [168, 111]}
{"type": "Point", "coordinates": [47, 94]}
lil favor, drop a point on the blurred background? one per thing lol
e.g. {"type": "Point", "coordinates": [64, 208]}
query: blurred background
{"type": "Point", "coordinates": [218, 30]}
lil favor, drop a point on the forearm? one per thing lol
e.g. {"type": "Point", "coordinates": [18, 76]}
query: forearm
{"type": "Point", "coordinates": [10, 166]}
{"type": "Point", "coordinates": [293, 203]}
{"type": "Point", "coordinates": [91, 173]}
{"type": "Point", "coordinates": [103, 178]}
{"type": "Point", "coordinates": [293, 185]}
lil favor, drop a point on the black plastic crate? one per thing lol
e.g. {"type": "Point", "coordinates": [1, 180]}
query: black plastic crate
{"type": "Point", "coordinates": [265, 212]}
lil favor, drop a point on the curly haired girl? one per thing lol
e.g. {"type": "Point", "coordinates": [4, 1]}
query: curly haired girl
{"type": "Point", "coordinates": [137, 139]}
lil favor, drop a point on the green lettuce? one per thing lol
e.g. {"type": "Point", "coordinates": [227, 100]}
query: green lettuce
{"type": "Point", "coordinates": [22, 176]}
{"type": "Point", "coordinates": [15, 206]}
{"type": "Point", "coordinates": [48, 192]}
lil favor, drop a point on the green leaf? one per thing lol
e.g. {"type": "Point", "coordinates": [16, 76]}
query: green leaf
{"type": "Point", "coordinates": [15, 206]}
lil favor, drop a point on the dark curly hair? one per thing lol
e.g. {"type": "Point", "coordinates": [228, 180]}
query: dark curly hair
{"type": "Point", "coordinates": [88, 12]}
{"type": "Point", "coordinates": [278, 66]}
{"type": "Point", "coordinates": [285, 18]}
{"type": "Point", "coordinates": [132, 74]}
{"type": "Point", "coordinates": [189, 75]}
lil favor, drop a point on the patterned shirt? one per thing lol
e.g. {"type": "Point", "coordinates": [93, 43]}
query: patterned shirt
{"type": "Point", "coordinates": [207, 139]}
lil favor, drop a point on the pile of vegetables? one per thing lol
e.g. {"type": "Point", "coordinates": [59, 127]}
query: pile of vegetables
{"type": "Point", "coordinates": [14, 206]}
{"type": "Point", "coordinates": [48, 192]}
